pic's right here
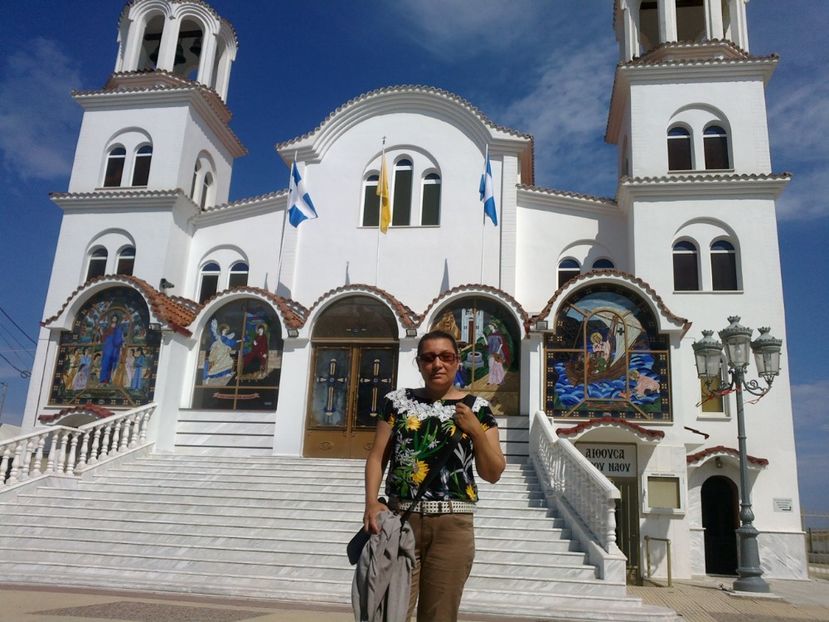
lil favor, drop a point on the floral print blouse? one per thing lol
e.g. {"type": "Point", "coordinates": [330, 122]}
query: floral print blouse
{"type": "Point", "coordinates": [420, 429]}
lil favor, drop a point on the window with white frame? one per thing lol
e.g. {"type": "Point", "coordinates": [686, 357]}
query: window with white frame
{"type": "Point", "coordinates": [141, 165]}
{"type": "Point", "coordinates": [679, 149]}
{"type": "Point", "coordinates": [97, 264]}
{"type": "Point", "coordinates": [206, 190]}
{"type": "Point", "coordinates": [126, 261]}
{"type": "Point", "coordinates": [430, 200]}
{"type": "Point", "coordinates": [686, 266]}
{"type": "Point", "coordinates": [209, 280]}
{"type": "Point", "coordinates": [402, 193]}
{"type": "Point", "coordinates": [371, 202]}
{"type": "Point", "coordinates": [723, 266]}
{"type": "Point", "coordinates": [567, 269]}
{"type": "Point", "coordinates": [238, 275]}
{"type": "Point", "coordinates": [114, 172]}
{"type": "Point", "coordinates": [715, 144]}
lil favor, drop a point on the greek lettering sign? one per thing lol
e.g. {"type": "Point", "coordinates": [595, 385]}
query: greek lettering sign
{"type": "Point", "coordinates": [611, 460]}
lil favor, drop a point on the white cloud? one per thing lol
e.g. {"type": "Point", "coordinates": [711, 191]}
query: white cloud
{"type": "Point", "coordinates": [809, 404]}
{"type": "Point", "coordinates": [566, 112]}
{"type": "Point", "coordinates": [463, 29]}
{"type": "Point", "coordinates": [38, 120]}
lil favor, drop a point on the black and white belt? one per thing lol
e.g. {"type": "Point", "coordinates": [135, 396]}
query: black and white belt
{"type": "Point", "coordinates": [437, 507]}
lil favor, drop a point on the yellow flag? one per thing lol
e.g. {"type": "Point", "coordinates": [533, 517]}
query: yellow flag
{"type": "Point", "coordinates": [383, 193]}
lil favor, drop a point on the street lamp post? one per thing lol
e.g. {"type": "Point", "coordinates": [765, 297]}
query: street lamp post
{"type": "Point", "coordinates": [708, 354]}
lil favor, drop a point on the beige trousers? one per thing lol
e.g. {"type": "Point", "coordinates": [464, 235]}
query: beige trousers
{"type": "Point", "coordinates": [445, 549]}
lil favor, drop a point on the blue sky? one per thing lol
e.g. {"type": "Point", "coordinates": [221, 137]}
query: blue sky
{"type": "Point", "coordinates": [543, 67]}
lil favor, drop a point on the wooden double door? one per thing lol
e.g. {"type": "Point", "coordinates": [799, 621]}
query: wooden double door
{"type": "Point", "coordinates": [347, 385]}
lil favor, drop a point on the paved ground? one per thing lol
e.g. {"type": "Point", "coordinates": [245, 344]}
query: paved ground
{"type": "Point", "coordinates": [697, 601]}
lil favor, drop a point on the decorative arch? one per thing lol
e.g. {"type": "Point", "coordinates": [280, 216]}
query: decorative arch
{"type": "Point", "coordinates": [405, 317]}
{"type": "Point", "coordinates": [489, 333]}
{"type": "Point", "coordinates": [110, 355]}
{"type": "Point", "coordinates": [239, 360]}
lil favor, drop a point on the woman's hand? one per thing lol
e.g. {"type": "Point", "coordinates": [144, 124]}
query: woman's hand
{"type": "Point", "coordinates": [373, 508]}
{"type": "Point", "coordinates": [466, 420]}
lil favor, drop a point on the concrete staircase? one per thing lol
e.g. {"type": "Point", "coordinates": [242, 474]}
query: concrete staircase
{"type": "Point", "coordinates": [270, 527]}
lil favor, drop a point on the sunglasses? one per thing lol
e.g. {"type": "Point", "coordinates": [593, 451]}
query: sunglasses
{"type": "Point", "coordinates": [430, 357]}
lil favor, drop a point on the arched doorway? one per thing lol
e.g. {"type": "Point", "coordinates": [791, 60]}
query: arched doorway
{"type": "Point", "coordinates": [354, 364]}
{"type": "Point", "coordinates": [489, 340]}
{"type": "Point", "coordinates": [720, 519]}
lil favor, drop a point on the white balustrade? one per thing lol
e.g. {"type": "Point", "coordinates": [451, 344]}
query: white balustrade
{"type": "Point", "coordinates": [72, 449]}
{"type": "Point", "coordinates": [570, 476]}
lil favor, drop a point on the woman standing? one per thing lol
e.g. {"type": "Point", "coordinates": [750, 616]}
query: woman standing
{"type": "Point", "coordinates": [414, 427]}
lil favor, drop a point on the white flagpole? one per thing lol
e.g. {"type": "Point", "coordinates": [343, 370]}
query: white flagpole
{"type": "Point", "coordinates": [284, 224]}
{"type": "Point", "coordinates": [379, 214]}
{"type": "Point", "coordinates": [483, 216]}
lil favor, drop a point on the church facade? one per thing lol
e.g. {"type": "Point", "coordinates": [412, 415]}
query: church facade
{"type": "Point", "coordinates": [255, 337]}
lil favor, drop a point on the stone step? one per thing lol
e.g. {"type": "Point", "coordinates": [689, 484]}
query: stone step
{"type": "Point", "coordinates": [344, 485]}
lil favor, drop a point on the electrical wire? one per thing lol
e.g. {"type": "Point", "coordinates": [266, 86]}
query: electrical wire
{"type": "Point", "coordinates": [17, 326]}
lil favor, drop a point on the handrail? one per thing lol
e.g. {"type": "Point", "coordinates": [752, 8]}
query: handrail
{"type": "Point", "coordinates": [573, 478]}
{"type": "Point", "coordinates": [69, 450]}
{"type": "Point", "coordinates": [648, 555]}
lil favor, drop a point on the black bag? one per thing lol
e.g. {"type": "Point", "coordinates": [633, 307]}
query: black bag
{"type": "Point", "coordinates": [355, 546]}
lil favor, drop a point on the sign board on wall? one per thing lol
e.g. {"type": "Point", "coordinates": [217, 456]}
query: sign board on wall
{"type": "Point", "coordinates": [613, 460]}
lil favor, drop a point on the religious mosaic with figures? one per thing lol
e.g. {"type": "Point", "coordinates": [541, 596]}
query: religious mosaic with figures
{"type": "Point", "coordinates": [240, 359]}
{"type": "Point", "coordinates": [111, 354]}
{"type": "Point", "coordinates": [605, 357]}
{"type": "Point", "coordinates": [489, 341]}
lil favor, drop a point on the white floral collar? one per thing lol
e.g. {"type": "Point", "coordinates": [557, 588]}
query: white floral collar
{"type": "Point", "coordinates": [405, 401]}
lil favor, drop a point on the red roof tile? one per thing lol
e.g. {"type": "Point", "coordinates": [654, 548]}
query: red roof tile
{"type": "Point", "coordinates": [723, 450]}
{"type": "Point", "coordinates": [613, 422]}
{"type": "Point", "coordinates": [91, 409]}
{"type": "Point", "coordinates": [293, 313]}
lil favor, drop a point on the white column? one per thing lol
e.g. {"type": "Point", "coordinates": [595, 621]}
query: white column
{"type": "Point", "coordinates": [713, 19]}
{"type": "Point", "coordinates": [223, 75]}
{"type": "Point", "coordinates": [167, 49]}
{"type": "Point", "coordinates": [292, 407]}
{"type": "Point", "coordinates": [739, 26]}
{"type": "Point", "coordinates": [533, 374]}
{"type": "Point", "coordinates": [129, 38]}
{"type": "Point", "coordinates": [631, 42]}
{"type": "Point", "coordinates": [667, 20]}
{"type": "Point", "coordinates": [207, 59]}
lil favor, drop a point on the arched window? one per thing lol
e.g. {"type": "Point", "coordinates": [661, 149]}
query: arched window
{"type": "Point", "coordinates": [188, 50]}
{"type": "Point", "coordinates": [430, 208]}
{"type": "Point", "coordinates": [686, 266]}
{"type": "Point", "coordinates": [151, 43]}
{"type": "Point", "coordinates": [141, 166]}
{"type": "Point", "coordinates": [97, 263]}
{"type": "Point", "coordinates": [196, 170]}
{"type": "Point", "coordinates": [205, 190]}
{"type": "Point", "coordinates": [238, 275]}
{"type": "Point", "coordinates": [240, 358]}
{"type": "Point", "coordinates": [115, 167]}
{"type": "Point", "coordinates": [603, 264]}
{"type": "Point", "coordinates": [402, 198]}
{"type": "Point", "coordinates": [371, 202]}
{"type": "Point", "coordinates": [209, 280]}
{"type": "Point", "coordinates": [715, 141]}
{"type": "Point", "coordinates": [126, 260]}
{"type": "Point", "coordinates": [679, 149]}
{"type": "Point", "coordinates": [567, 269]}
{"type": "Point", "coordinates": [723, 266]}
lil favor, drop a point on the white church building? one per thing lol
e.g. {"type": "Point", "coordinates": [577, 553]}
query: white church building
{"type": "Point", "coordinates": [253, 338]}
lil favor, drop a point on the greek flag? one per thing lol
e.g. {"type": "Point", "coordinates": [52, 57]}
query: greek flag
{"type": "Point", "coordinates": [488, 193]}
{"type": "Point", "coordinates": [300, 206]}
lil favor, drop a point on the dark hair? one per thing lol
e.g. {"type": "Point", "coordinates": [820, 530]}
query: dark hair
{"type": "Point", "coordinates": [437, 334]}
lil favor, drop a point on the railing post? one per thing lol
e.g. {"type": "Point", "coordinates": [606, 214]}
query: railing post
{"type": "Point", "coordinates": [72, 458]}
{"type": "Point", "coordinates": [145, 419]}
{"type": "Point", "coordinates": [13, 479]}
{"type": "Point", "coordinates": [41, 443]}
{"type": "Point", "coordinates": [116, 437]}
{"type": "Point", "coordinates": [53, 449]}
{"type": "Point", "coordinates": [105, 441]}
{"type": "Point", "coordinates": [61, 458]}
{"type": "Point", "coordinates": [96, 442]}
{"type": "Point", "coordinates": [4, 464]}
{"type": "Point", "coordinates": [84, 451]}
{"type": "Point", "coordinates": [125, 434]}
{"type": "Point", "coordinates": [25, 461]}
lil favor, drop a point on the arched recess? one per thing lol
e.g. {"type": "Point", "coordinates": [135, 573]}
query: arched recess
{"type": "Point", "coordinates": [354, 364]}
{"type": "Point", "coordinates": [110, 355]}
{"type": "Point", "coordinates": [609, 351]}
{"type": "Point", "coordinates": [239, 362]}
{"type": "Point", "coordinates": [489, 338]}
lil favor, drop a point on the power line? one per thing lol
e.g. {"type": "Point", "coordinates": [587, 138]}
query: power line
{"type": "Point", "coordinates": [15, 350]}
{"type": "Point", "coordinates": [17, 326]}
{"type": "Point", "coordinates": [24, 373]}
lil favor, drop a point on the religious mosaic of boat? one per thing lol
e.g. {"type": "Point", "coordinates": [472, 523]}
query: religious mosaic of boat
{"type": "Point", "coordinates": [489, 339]}
{"type": "Point", "coordinates": [110, 355]}
{"type": "Point", "coordinates": [240, 358]}
{"type": "Point", "coordinates": [605, 357]}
